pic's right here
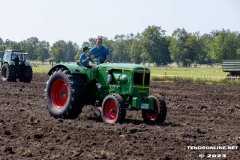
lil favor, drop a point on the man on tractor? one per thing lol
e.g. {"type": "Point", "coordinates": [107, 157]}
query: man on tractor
{"type": "Point", "coordinates": [16, 60]}
{"type": "Point", "coordinates": [100, 52]}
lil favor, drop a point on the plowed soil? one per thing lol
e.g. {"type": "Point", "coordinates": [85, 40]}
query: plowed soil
{"type": "Point", "coordinates": [198, 115]}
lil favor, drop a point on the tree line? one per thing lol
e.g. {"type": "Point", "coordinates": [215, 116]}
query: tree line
{"type": "Point", "coordinates": [150, 46]}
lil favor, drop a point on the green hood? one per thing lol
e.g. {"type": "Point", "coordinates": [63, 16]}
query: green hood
{"type": "Point", "coordinates": [123, 66]}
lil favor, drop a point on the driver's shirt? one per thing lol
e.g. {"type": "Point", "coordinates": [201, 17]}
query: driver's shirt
{"type": "Point", "coordinates": [99, 53]}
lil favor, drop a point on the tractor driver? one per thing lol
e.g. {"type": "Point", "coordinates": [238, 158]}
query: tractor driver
{"type": "Point", "coordinates": [100, 52]}
{"type": "Point", "coordinates": [16, 60]}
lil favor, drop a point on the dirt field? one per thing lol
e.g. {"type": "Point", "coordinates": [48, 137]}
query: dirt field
{"type": "Point", "coordinates": [198, 115]}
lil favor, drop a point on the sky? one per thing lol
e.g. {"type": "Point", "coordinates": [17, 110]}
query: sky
{"type": "Point", "coordinates": [79, 20]}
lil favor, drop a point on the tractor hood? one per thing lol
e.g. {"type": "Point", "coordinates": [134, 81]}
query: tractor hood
{"type": "Point", "coordinates": [122, 66]}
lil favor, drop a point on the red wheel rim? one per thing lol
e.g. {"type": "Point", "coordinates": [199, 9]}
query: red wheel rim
{"type": "Point", "coordinates": [59, 93]}
{"type": "Point", "coordinates": [111, 110]}
{"type": "Point", "coordinates": [152, 115]}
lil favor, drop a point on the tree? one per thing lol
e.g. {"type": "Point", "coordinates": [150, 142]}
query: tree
{"type": "Point", "coordinates": [225, 46]}
{"type": "Point", "coordinates": [136, 51]}
{"type": "Point", "coordinates": [42, 51]}
{"type": "Point", "coordinates": [58, 51]}
{"type": "Point", "coordinates": [129, 38]}
{"type": "Point", "coordinates": [205, 42]}
{"type": "Point", "coordinates": [120, 54]}
{"type": "Point", "coordinates": [184, 47]}
{"type": "Point", "coordinates": [194, 48]}
{"type": "Point", "coordinates": [144, 57]}
{"type": "Point", "coordinates": [71, 51]}
{"type": "Point", "coordinates": [92, 41]}
{"type": "Point", "coordinates": [2, 46]}
{"type": "Point", "coordinates": [77, 56]}
{"type": "Point", "coordinates": [14, 45]}
{"type": "Point", "coordinates": [30, 45]}
{"type": "Point", "coordinates": [9, 44]}
{"type": "Point", "coordinates": [155, 45]}
{"type": "Point", "coordinates": [215, 33]}
{"type": "Point", "coordinates": [165, 44]}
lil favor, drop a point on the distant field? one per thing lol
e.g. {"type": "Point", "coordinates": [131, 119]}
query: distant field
{"type": "Point", "coordinates": [204, 71]}
{"type": "Point", "coordinates": [41, 69]}
{"type": "Point", "coordinates": [211, 71]}
{"type": "Point", "coordinates": [197, 75]}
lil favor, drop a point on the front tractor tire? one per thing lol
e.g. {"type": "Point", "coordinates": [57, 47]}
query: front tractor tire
{"type": "Point", "coordinates": [158, 114]}
{"type": "Point", "coordinates": [65, 94]}
{"type": "Point", "coordinates": [8, 73]}
{"type": "Point", "coordinates": [113, 109]}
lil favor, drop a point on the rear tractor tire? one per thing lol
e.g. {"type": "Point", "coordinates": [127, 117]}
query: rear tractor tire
{"type": "Point", "coordinates": [26, 74]}
{"type": "Point", "coordinates": [8, 73]}
{"type": "Point", "coordinates": [113, 109]}
{"type": "Point", "coordinates": [65, 94]}
{"type": "Point", "coordinates": [158, 114]}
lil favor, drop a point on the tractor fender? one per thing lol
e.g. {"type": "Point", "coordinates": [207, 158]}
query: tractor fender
{"type": "Point", "coordinates": [73, 68]}
{"type": "Point", "coordinates": [9, 63]}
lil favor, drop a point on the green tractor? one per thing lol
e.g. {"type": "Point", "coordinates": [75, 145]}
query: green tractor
{"type": "Point", "coordinates": [15, 66]}
{"type": "Point", "coordinates": [110, 88]}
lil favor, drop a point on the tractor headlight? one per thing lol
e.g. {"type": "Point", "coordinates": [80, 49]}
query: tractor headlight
{"type": "Point", "coordinates": [109, 79]}
{"type": "Point", "coordinates": [98, 85]}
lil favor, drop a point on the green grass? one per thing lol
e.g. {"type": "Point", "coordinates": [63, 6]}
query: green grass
{"type": "Point", "coordinates": [195, 80]}
{"type": "Point", "coordinates": [41, 69]}
{"type": "Point", "coordinates": [195, 75]}
{"type": "Point", "coordinates": [217, 71]}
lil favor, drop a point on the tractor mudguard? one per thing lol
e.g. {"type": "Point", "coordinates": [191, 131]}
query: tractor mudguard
{"type": "Point", "coordinates": [73, 68]}
{"type": "Point", "coordinates": [10, 63]}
